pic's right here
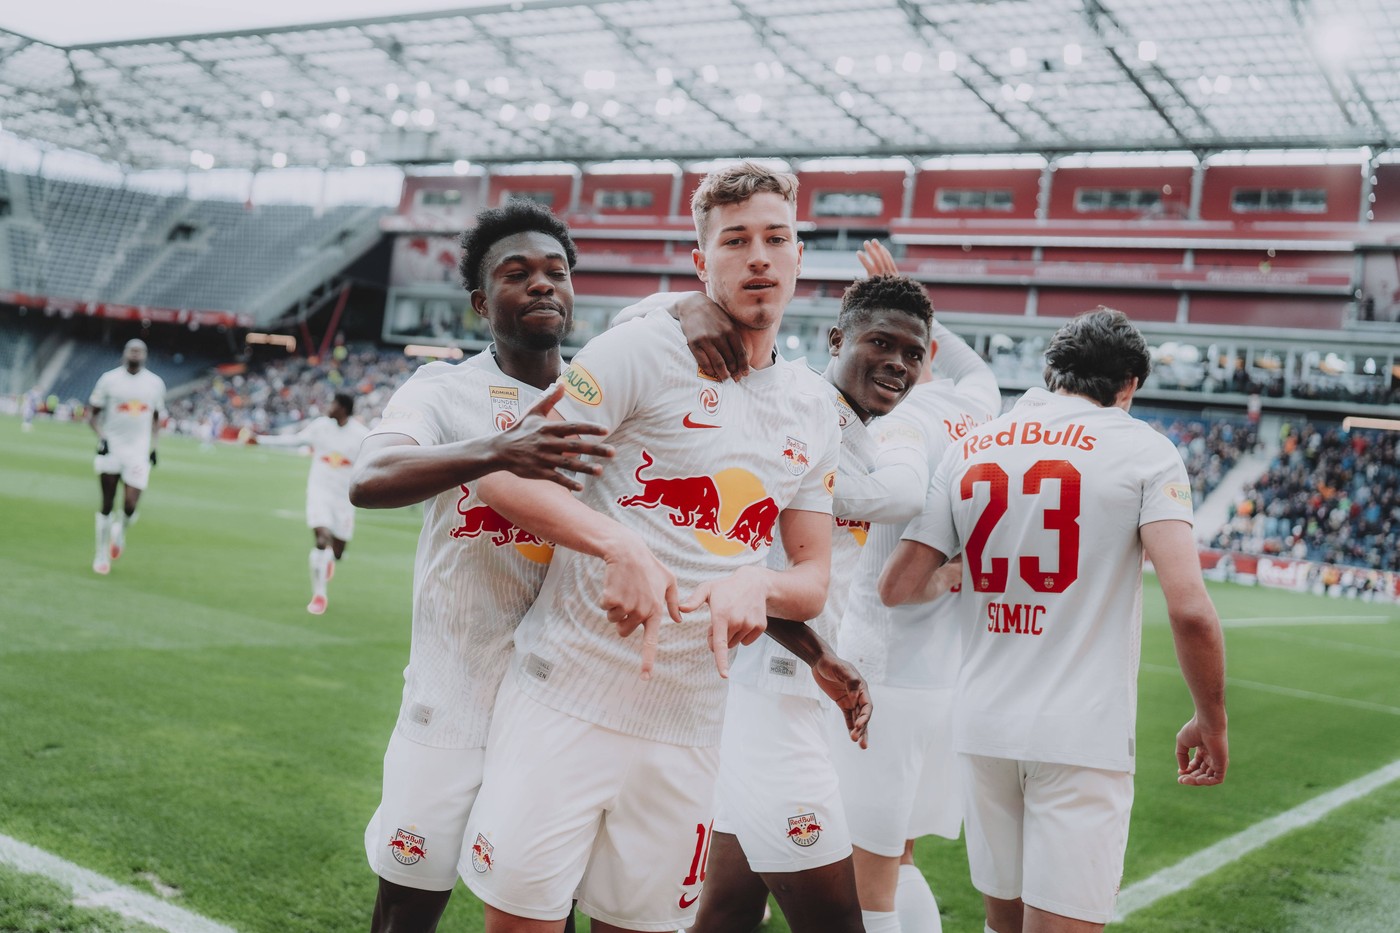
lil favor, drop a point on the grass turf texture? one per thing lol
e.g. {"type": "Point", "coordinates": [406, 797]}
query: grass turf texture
{"type": "Point", "coordinates": [185, 719]}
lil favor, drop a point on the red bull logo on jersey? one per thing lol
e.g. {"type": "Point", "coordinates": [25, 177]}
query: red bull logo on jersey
{"type": "Point", "coordinates": [728, 512]}
{"type": "Point", "coordinates": [481, 854]}
{"type": "Point", "coordinates": [957, 429]}
{"type": "Point", "coordinates": [336, 460]}
{"type": "Point", "coordinates": [482, 520]}
{"type": "Point", "coordinates": [795, 456]}
{"type": "Point", "coordinates": [804, 830]}
{"type": "Point", "coordinates": [859, 530]}
{"type": "Point", "coordinates": [1030, 433]}
{"type": "Point", "coordinates": [407, 848]}
{"type": "Point", "coordinates": [133, 407]}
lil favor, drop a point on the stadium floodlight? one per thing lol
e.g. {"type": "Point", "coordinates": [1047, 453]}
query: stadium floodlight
{"type": "Point", "coordinates": [279, 160]}
{"type": "Point", "coordinates": [1147, 51]}
{"type": "Point", "coordinates": [1073, 54]}
{"type": "Point", "coordinates": [948, 60]}
{"type": "Point", "coordinates": [461, 167]}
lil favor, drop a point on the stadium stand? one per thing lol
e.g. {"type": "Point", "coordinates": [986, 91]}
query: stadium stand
{"type": "Point", "coordinates": [1330, 496]}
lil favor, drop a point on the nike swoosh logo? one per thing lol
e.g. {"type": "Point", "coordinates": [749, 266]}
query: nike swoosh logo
{"type": "Point", "coordinates": [696, 424]}
{"type": "Point", "coordinates": [686, 903]}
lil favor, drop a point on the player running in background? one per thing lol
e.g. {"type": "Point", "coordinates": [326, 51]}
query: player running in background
{"type": "Point", "coordinates": [28, 408]}
{"type": "Point", "coordinates": [678, 525]}
{"type": "Point", "coordinates": [475, 573]}
{"type": "Point", "coordinates": [125, 410]}
{"type": "Point", "coordinates": [1047, 691]}
{"type": "Point", "coordinates": [335, 441]}
{"type": "Point", "coordinates": [781, 825]}
{"type": "Point", "coordinates": [905, 785]}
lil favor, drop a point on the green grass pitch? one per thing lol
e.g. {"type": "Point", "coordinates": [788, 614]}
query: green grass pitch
{"type": "Point", "coordinates": [185, 722]}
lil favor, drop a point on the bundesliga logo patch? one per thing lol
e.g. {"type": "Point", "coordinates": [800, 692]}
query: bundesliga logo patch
{"type": "Point", "coordinates": [804, 830]}
{"type": "Point", "coordinates": [481, 854]}
{"type": "Point", "coordinates": [408, 849]}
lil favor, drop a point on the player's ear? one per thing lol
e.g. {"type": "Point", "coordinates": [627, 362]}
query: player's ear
{"type": "Point", "coordinates": [697, 255]}
{"type": "Point", "coordinates": [834, 337]}
{"type": "Point", "coordinates": [478, 299]}
{"type": "Point", "coordinates": [799, 257]}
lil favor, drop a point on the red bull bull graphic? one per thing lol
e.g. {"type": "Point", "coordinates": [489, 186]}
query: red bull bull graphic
{"type": "Point", "coordinates": [754, 526]}
{"type": "Point", "coordinates": [481, 854]}
{"type": "Point", "coordinates": [336, 460]}
{"type": "Point", "coordinates": [693, 500]}
{"type": "Point", "coordinates": [481, 519]}
{"type": "Point", "coordinates": [728, 512]}
{"type": "Point", "coordinates": [804, 830]}
{"type": "Point", "coordinates": [407, 848]}
{"type": "Point", "coordinates": [133, 407]}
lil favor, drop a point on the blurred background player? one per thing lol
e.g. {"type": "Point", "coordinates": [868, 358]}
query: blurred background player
{"type": "Point", "coordinates": [125, 410]}
{"type": "Point", "coordinates": [475, 573]}
{"type": "Point", "coordinates": [1048, 789]}
{"type": "Point", "coordinates": [905, 784]}
{"type": "Point", "coordinates": [335, 445]}
{"type": "Point", "coordinates": [28, 408]}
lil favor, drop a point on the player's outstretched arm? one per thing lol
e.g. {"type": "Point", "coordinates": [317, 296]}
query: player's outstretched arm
{"type": "Point", "coordinates": [1202, 745]}
{"type": "Point", "coordinates": [393, 470]}
{"type": "Point", "coordinates": [638, 591]}
{"type": "Point", "coordinates": [909, 575]}
{"type": "Point", "coordinates": [835, 676]}
{"type": "Point", "coordinates": [741, 602]}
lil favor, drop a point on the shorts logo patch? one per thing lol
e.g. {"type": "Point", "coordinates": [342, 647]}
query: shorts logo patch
{"type": "Point", "coordinates": [804, 830]}
{"type": "Point", "coordinates": [783, 667]}
{"type": "Point", "coordinates": [407, 848]}
{"type": "Point", "coordinates": [481, 854]}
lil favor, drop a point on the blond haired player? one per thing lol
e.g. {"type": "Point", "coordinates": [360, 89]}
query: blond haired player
{"type": "Point", "coordinates": [475, 573]}
{"type": "Point", "coordinates": [1053, 506]}
{"type": "Point", "coordinates": [126, 407]}
{"type": "Point", "coordinates": [666, 546]}
{"type": "Point", "coordinates": [335, 446]}
{"type": "Point", "coordinates": [904, 785]}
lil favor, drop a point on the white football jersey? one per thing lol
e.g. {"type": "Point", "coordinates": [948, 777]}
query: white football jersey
{"type": "Point", "coordinates": [1045, 503]}
{"type": "Point", "coordinates": [475, 573]}
{"type": "Point", "coordinates": [766, 664]}
{"type": "Point", "coordinates": [918, 645]}
{"type": "Point", "coordinates": [702, 471]}
{"type": "Point", "coordinates": [334, 450]}
{"type": "Point", "coordinates": [129, 403]}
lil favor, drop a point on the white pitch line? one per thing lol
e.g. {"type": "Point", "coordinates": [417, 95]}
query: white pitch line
{"type": "Point", "coordinates": [1292, 692]}
{"type": "Point", "coordinates": [93, 890]}
{"type": "Point", "coordinates": [1252, 621]}
{"type": "Point", "coordinates": [1188, 871]}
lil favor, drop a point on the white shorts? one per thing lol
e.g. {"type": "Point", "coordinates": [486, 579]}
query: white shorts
{"type": "Point", "coordinates": [1050, 834]}
{"type": "Point", "coordinates": [328, 510]}
{"type": "Point", "coordinates": [906, 784]}
{"type": "Point", "coordinates": [571, 809]}
{"type": "Point", "coordinates": [133, 464]}
{"type": "Point", "coordinates": [415, 837]}
{"type": "Point", "coordinates": [778, 791]}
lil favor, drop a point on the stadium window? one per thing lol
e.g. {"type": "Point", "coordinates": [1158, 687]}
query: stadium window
{"type": "Point", "coordinates": [847, 204]}
{"type": "Point", "coordinates": [973, 199]}
{"type": "Point", "coordinates": [545, 198]}
{"type": "Point", "coordinates": [614, 199]}
{"type": "Point", "coordinates": [1093, 200]}
{"type": "Point", "coordinates": [1282, 200]}
{"type": "Point", "coordinates": [440, 197]}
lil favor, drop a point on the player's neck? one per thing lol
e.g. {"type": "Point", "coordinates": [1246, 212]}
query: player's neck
{"type": "Point", "coordinates": [538, 368]}
{"type": "Point", "coordinates": [762, 346]}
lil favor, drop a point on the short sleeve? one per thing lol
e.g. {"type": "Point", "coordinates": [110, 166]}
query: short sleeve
{"type": "Point", "coordinates": [934, 526]}
{"type": "Point", "coordinates": [100, 395]}
{"type": "Point", "coordinates": [606, 380]}
{"type": "Point", "coordinates": [1166, 489]}
{"type": "Point", "coordinates": [420, 408]}
{"type": "Point", "coordinates": [814, 494]}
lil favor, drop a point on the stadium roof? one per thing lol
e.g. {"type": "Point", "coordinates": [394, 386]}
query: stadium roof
{"type": "Point", "coordinates": [697, 79]}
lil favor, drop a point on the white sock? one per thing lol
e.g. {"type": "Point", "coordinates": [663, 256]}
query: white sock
{"type": "Point", "coordinates": [118, 534]}
{"type": "Point", "coordinates": [320, 561]}
{"type": "Point", "coordinates": [915, 903]}
{"type": "Point", "coordinates": [104, 535]}
{"type": "Point", "coordinates": [879, 921]}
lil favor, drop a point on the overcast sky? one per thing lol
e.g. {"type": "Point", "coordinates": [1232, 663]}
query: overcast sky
{"type": "Point", "coordinates": [73, 22]}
